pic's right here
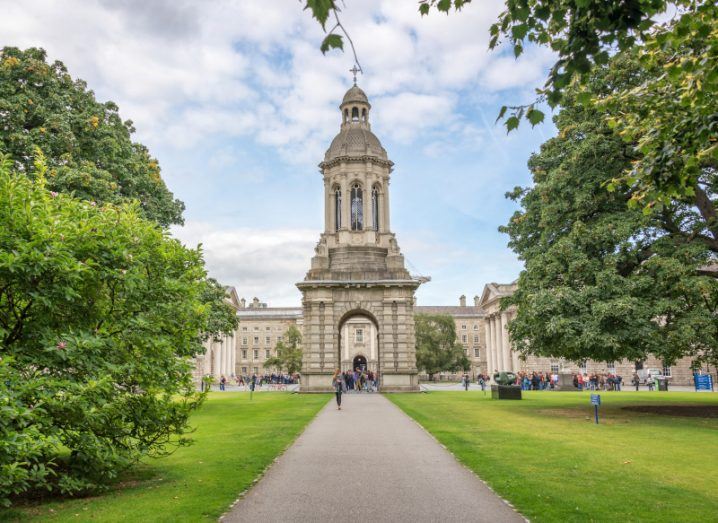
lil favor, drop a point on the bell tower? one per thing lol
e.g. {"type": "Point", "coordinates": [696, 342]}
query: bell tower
{"type": "Point", "coordinates": [358, 297]}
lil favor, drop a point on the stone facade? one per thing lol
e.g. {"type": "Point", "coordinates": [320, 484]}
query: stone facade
{"type": "Point", "coordinates": [357, 273]}
{"type": "Point", "coordinates": [220, 355]}
{"type": "Point", "coordinates": [500, 356]}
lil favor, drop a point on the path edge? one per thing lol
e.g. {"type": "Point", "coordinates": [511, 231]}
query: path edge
{"type": "Point", "coordinates": [269, 467]}
{"type": "Point", "coordinates": [461, 463]}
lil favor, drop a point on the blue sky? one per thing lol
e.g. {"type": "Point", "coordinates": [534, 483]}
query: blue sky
{"type": "Point", "coordinates": [239, 105]}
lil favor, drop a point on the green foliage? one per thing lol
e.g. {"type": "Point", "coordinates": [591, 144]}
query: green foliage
{"type": "Point", "coordinates": [289, 352]}
{"type": "Point", "coordinates": [604, 279]}
{"type": "Point", "coordinates": [672, 117]}
{"type": "Point", "coordinates": [100, 315]}
{"type": "Point", "coordinates": [234, 443]}
{"type": "Point", "coordinates": [221, 315]}
{"type": "Point", "coordinates": [88, 147]}
{"type": "Point", "coordinates": [437, 349]}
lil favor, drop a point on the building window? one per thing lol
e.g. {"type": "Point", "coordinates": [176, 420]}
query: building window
{"type": "Point", "coordinates": [359, 336]}
{"type": "Point", "coordinates": [611, 366]}
{"type": "Point", "coordinates": [667, 371]}
{"type": "Point", "coordinates": [256, 340]}
{"type": "Point", "coordinates": [476, 339]}
{"type": "Point", "coordinates": [357, 208]}
{"type": "Point", "coordinates": [375, 208]}
{"type": "Point", "coordinates": [244, 328]}
{"type": "Point", "coordinates": [476, 353]}
{"type": "Point", "coordinates": [244, 340]}
{"type": "Point", "coordinates": [267, 354]}
{"type": "Point", "coordinates": [256, 370]}
{"type": "Point", "coordinates": [268, 328]}
{"type": "Point", "coordinates": [256, 354]}
{"type": "Point", "coordinates": [267, 340]}
{"type": "Point", "coordinates": [463, 327]}
{"type": "Point", "coordinates": [476, 326]}
{"type": "Point", "coordinates": [279, 338]}
{"type": "Point", "coordinates": [256, 328]}
{"type": "Point", "coordinates": [244, 370]}
{"type": "Point", "coordinates": [583, 367]}
{"type": "Point", "coordinates": [244, 354]}
{"type": "Point", "coordinates": [555, 367]}
{"type": "Point", "coordinates": [338, 208]}
{"type": "Point", "coordinates": [463, 338]}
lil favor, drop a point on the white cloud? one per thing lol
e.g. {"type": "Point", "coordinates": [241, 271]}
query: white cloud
{"type": "Point", "coordinates": [254, 260]}
{"type": "Point", "coordinates": [199, 77]}
{"type": "Point", "coordinates": [185, 72]}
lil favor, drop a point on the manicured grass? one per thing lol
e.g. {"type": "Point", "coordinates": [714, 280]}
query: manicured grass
{"type": "Point", "coordinates": [235, 441]}
{"type": "Point", "coordinates": [546, 456]}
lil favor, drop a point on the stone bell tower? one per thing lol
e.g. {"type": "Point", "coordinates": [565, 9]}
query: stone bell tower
{"type": "Point", "coordinates": [358, 297]}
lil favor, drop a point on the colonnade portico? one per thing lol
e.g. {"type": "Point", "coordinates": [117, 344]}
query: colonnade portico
{"type": "Point", "coordinates": [224, 356]}
{"type": "Point", "coordinates": [499, 356]}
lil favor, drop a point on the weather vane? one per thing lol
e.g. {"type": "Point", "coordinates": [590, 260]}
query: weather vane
{"type": "Point", "coordinates": [354, 70]}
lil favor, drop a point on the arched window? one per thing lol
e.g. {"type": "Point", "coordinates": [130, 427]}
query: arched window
{"type": "Point", "coordinates": [338, 208]}
{"type": "Point", "coordinates": [363, 115]}
{"type": "Point", "coordinates": [375, 207]}
{"type": "Point", "coordinates": [357, 208]}
{"type": "Point", "coordinates": [355, 114]}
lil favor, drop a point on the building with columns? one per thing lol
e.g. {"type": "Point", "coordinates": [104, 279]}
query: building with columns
{"type": "Point", "coordinates": [220, 357]}
{"type": "Point", "coordinates": [499, 356]}
{"type": "Point", "coordinates": [358, 297]}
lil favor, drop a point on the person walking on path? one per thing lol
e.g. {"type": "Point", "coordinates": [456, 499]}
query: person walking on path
{"type": "Point", "coordinates": [222, 382]}
{"type": "Point", "coordinates": [636, 381]}
{"type": "Point", "coordinates": [338, 384]}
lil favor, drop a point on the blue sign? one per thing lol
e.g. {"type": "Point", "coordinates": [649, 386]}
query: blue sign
{"type": "Point", "coordinates": [595, 399]}
{"type": "Point", "coordinates": [703, 381]}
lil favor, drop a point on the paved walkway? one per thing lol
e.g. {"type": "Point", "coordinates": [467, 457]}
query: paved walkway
{"type": "Point", "coordinates": [369, 462]}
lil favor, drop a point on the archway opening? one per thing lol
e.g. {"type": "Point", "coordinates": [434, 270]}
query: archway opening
{"type": "Point", "coordinates": [359, 363]}
{"type": "Point", "coordinates": [358, 350]}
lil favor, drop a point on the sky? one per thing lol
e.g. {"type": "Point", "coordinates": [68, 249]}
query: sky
{"type": "Point", "coordinates": [238, 104]}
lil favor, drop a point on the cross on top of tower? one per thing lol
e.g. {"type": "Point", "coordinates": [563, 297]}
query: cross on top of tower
{"type": "Point", "coordinates": [354, 70]}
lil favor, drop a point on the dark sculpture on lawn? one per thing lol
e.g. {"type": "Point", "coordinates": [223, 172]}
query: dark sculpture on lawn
{"type": "Point", "coordinates": [505, 388]}
{"type": "Point", "coordinates": [505, 378]}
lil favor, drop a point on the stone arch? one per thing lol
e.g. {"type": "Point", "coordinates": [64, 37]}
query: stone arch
{"type": "Point", "coordinates": [351, 311]}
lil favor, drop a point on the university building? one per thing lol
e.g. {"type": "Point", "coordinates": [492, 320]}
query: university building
{"type": "Point", "coordinates": [358, 298]}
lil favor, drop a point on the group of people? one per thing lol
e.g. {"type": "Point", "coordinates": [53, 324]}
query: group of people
{"type": "Point", "coordinates": [358, 380]}
{"type": "Point", "coordinates": [598, 381]}
{"type": "Point", "coordinates": [271, 381]}
{"type": "Point", "coordinates": [538, 380]}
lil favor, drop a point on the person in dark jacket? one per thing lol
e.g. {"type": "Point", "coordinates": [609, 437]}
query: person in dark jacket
{"type": "Point", "coordinates": [339, 386]}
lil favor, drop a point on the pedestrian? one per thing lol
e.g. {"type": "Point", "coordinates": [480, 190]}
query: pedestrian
{"type": "Point", "coordinates": [338, 384]}
{"type": "Point", "coordinates": [465, 380]}
{"type": "Point", "coordinates": [222, 382]}
{"type": "Point", "coordinates": [649, 381]}
{"type": "Point", "coordinates": [482, 382]}
{"type": "Point", "coordinates": [636, 380]}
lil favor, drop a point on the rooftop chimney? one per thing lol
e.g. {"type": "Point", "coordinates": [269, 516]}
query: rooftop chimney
{"type": "Point", "coordinates": [477, 301]}
{"type": "Point", "coordinates": [242, 303]}
{"type": "Point", "coordinates": [462, 301]}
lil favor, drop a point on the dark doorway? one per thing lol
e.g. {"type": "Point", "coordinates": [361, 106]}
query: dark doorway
{"type": "Point", "coordinates": [359, 363]}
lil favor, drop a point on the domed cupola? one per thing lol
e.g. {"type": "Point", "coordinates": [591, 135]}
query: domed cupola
{"type": "Point", "coordinates": [355, 139]}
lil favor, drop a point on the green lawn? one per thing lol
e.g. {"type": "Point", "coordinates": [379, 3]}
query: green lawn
{"type": "Point", "coordinates": [546, 456]}
{"type": "Point", "coordinates": [235, 441]}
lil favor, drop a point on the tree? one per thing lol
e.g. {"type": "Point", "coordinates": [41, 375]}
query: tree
{"type": "Point", "coordinates": [289, 353]}
{"type": "Point", "coordinates": [675, 135]}
{"type": "Point", "coordinates": [604, 279]}
{"type": "Point", "coordinates": [88, 148]}
{"type": "Point", "coordinates": [101, 313]}
{"type": "Point", "coordinates": [437, 349]}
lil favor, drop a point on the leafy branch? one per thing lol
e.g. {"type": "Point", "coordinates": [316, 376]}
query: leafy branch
{"type": "Point", "coordinates": [321, 11]}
